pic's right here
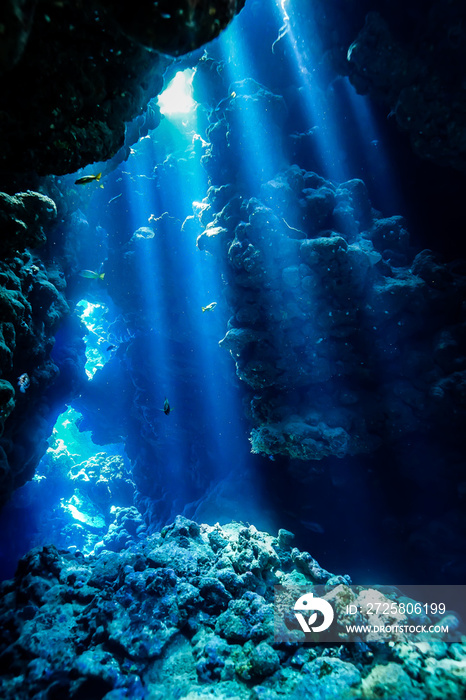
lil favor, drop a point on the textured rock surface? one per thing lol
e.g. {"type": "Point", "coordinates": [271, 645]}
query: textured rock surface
{"type": "Point", "coordinates": [346, 338]}
{"type": "Point", "coordinates": [32, 305]}
{"type": "Point", "coordinates": [23, 218]}
{"type": "Point", "coordinates": [173, 27]}
{"type": "Point", "coordinates": [188, 613]}
{"type": "Point", "coordinates": [100, 71]}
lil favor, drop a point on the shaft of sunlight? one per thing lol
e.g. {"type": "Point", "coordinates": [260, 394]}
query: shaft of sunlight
{"type": "Point", "coordinates": [320, 116]}
{"type": "Point", "coordinates": [372, 149]}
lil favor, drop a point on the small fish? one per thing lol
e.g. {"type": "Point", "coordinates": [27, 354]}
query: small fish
{"type": "Point", "coordinates": [23, 382]}
{"type": "Point", "coordinates": [91, 275]}
{"type": "Point", "coordinates": [87, 178]}
{"type": "Point", "coordinates": [209, 307]}
{"type": "Point", "coordinates": [113, 199]}
{"type": "Point", "coordinates": [166, 407]}
{"type": "Point", "coordinates": [111, 347]}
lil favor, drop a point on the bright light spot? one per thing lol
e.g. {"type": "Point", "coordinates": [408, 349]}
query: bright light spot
{"type": "Point", "coordinates": [178, 97]}
{"type": "Point", "coordinates": [83, 510]}
{"type": "Point", "coordinates": [93, 317]}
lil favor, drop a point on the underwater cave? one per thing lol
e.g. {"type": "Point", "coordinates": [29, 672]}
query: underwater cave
{"type": "Point", "coordinates": [233, 350]}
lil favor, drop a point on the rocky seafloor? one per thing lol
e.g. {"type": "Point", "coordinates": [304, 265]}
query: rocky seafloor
{"type": "Point", "coordinates": [188, 613]}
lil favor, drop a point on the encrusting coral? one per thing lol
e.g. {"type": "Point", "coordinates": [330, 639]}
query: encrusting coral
{"type": "Point", "coordinates": [188, 613]}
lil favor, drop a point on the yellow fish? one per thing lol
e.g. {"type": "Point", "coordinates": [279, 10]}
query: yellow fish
{"type": "Point", "coordinates": [209, 307]}
{"type": "Point", "coordinates": [87, 178]}
{"type": "Point", "coordinates": [91, 275]}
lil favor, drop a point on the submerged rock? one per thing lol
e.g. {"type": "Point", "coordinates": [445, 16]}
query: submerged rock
{"type": "Point", "coordinates": [87, 69]}
{"type": "Point", "coordinates": [23, 217]}
{"type": "Point", "coordinates": [32, 305]}
{"type": "Point", "coordinates": [326, 304]}
{"type": "Point", "coordinates": [188, 613]}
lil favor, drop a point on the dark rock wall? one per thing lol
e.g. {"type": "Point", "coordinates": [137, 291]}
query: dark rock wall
{"type": "Point", "coordinates": [32, 306]}
{"type": "Point", "coordinates": [410, 57]}
{"type": "Point", "coordinates": [421, 80]}
{"type": "Point", "coordinates": [84, 80]}
{"type": "Point", "coordinates": [74, 73]}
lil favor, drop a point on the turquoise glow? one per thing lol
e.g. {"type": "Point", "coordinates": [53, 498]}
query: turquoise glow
{"type": "Point", "coordinates": [93, 317]}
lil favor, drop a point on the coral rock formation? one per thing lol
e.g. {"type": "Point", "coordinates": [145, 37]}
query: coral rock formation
{"type": "Point", "coordinates": [328, 305]}
{"type": "Point", "coordinates": [188, 613]}
{"type": "Point", "coordinates": [23, 220]}
{"type": "Point", "coordinates": [32, 304]}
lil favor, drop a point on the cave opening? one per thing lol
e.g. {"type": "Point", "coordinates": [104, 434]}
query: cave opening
{"type": "Point", "coordinates": [177, 98]}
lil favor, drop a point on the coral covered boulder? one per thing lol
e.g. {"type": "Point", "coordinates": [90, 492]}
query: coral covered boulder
{"type": "Point", "coordinates": [23, 217]}
{"type": "Point", "coordinates": [189, 613]}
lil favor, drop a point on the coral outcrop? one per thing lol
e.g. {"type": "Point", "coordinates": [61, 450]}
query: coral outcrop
{"type": "Point", "coordinates": [188, 613]}
{"type": "Point", "coordinates": [32, 305]}
{"type": "Point", "coordinates": [347, 339]}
